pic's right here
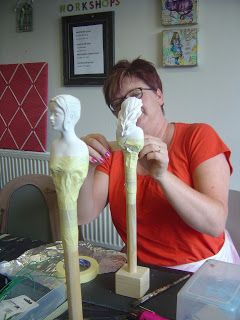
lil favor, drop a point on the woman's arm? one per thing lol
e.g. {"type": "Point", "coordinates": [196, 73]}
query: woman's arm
{"type": "Point", "coordinates": [205, 207]}
{"type": "Point", "coordinates": [93, 195]}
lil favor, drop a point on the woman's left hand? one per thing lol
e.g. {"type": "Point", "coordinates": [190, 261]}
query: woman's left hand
{"type": "Point", "coordinates": [153, 158]}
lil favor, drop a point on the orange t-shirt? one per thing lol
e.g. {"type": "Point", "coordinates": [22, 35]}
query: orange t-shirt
{"type": "Point", "coordinates": [163, 238]}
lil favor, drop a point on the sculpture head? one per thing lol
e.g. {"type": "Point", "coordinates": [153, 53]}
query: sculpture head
{"type": "Point", "coordinates": [65, 111]}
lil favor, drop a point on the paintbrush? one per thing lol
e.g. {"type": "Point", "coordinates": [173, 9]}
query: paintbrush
{"type": "Point", "coordinates": [159, 290]}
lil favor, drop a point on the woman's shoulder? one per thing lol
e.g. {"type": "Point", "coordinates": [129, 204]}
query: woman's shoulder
{"type": "Point", "coordinates": [200, 142]}
{"type": "Point", "coordinates": [194, 130]}
{"type": "Point", "coordinates": [191, 127]}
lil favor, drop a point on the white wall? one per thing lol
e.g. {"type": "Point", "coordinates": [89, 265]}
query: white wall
{"type": "Point", "coordinates": [207, 93]}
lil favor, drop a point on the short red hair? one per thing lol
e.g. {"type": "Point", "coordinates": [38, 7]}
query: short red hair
{"type": "Point", "coordinates": [139, 68]}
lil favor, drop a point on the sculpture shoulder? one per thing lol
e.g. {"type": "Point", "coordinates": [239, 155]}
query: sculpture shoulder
{"type": "Point", "coordinates": [77, 147]}
{"type": "Point", "coordinates": [73, 147]}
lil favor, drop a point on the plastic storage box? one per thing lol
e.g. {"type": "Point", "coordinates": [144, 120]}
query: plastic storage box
{"type": "Point", "coordinates": [47, 291]}
{"type": "Point", "coordinates": [47, 304]}
{"type": "Point", "coordinates": [213, 292]}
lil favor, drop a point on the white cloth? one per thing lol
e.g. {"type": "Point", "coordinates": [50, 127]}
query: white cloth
{"type": "Point", "coordinates": [227, 253]}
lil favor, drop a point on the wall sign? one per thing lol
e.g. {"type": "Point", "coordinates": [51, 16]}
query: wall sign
{"type": "Point", "coordinates": [88, 48]}
{"type": "Point", "coordinates": [85, 6]}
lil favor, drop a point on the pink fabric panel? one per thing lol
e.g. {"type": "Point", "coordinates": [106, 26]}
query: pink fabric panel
{"type": "Point", "coordinates": [23, 106]}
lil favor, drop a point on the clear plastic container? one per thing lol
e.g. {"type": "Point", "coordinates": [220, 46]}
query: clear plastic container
{"type": "Point", "coordinates": [213, 292]}
{"type": "Point", "coordinates": [47, 304]}
{"type": "Point", "coordinates": [48, 292]}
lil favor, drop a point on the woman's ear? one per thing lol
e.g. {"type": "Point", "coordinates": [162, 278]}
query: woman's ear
{"type": "Point", "coordinates": [160, 96]}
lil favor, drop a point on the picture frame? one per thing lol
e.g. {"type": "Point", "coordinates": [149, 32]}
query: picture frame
{"type": "Point", "coordinates": [88, 48]}
{"type": "Point", "coordinates": [180, 47]}
{"type": "Point", "coordinates": [179, 12]}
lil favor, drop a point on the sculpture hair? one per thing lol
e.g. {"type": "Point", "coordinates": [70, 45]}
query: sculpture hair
{"type": "Point", "coordinates": [71, 107]}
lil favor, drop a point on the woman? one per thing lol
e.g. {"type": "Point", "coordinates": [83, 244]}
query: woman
{"type": "Point", "coordinates": [183, 178]}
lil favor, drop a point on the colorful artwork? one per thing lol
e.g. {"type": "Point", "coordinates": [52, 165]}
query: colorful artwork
{"type": "Point", "coordinates": [180, 47]}
{"type": "Point", "coordinates": [179, 12]}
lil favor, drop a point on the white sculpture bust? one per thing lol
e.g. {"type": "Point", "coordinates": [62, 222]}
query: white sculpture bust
{"type": "Point", "coordinates": [69, 156]}
{"type": "Point", "coordinates": [65, 111]}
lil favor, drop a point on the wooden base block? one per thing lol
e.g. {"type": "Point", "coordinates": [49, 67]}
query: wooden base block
{"type": "Point", "coordinates": [133, 285]}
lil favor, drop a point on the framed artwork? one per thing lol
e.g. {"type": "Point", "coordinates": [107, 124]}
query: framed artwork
{"type": "Point", "coordinates": [179, 12]}
{"type": "Point", "coordinates": [180, 47]}
{"type": "Point", "coordinates": [24, 15]}
{"type": "Point", "coordinates": [88, 48]}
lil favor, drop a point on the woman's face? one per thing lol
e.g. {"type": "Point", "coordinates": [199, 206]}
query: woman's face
{"type": "Point", "coordinates": [57, 116]}
{"type": "Point", "coordinates": [152, 114]}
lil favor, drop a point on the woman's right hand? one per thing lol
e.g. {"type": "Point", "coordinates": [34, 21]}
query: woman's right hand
{"type": "Point", "coordinates": [98, 146]}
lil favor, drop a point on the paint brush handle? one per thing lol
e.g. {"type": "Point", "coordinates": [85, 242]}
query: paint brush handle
{"type": "Point", "coordinates": [159, 290]}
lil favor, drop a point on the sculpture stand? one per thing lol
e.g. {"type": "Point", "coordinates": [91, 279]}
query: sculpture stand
{"type": "Point", "coordinates": [131, 280]}
{"type": "Point", "coordinates": [68, 175]}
